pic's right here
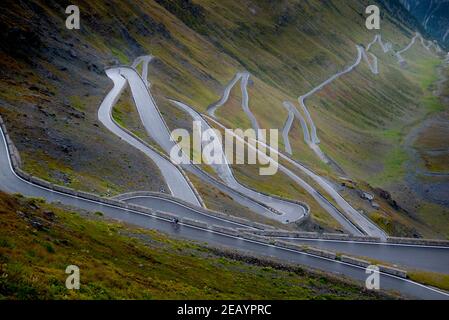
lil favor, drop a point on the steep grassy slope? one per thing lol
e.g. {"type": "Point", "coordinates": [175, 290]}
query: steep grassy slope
{"type": "Point", "coordinates": [52, 83]}
{"type": "Point", "coordinates": [356, 126]}
{"type": "Point", "coordinates": [365, 122]}
{"type": "Point", "coordinates": [289, 46]}
{"type": "Point", "coordinates": [357, 115]}
{"type": "Point", "coordinates": [255, 34]}
{"type": "Point", "coordinates": [427, 186]}
{"type": "Point", "coordinates": [38, 241]}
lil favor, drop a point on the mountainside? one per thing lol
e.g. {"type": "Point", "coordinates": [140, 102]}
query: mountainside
{"type": "Point", "coordinates": [52, 82]}
{"type": "Point", "coordinates": [433, 15]}
{"type": "Point", "coordinates": [120, 262]}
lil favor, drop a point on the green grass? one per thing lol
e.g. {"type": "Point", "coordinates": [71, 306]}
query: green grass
{"type": "Point", "coordinates": [427, 80]}
{"type": "Point", "coordinates": [393, 134]}
{"type": "Point", "coordinates": [436, 217]}
{"type": "Point", "coordinates": [122, 262]}
{"type": "Point", "coordinates": [433, 104]}
{"type": "Point", "coordinates": [117, 114]}
{"type": "Point", "coordinates": [433, 279]}
{"type": "Point", "coordinates": [77, 103]}
{"type": "Point", "coordinates": [393, 168]}
{"type": "Point", "coordinates": [55, 171]}
{"type": "Point", "coordinates": [121, 56]}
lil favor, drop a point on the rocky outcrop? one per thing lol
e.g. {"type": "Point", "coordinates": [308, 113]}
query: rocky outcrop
{"type": "Point", "coordinates": [433, 15]}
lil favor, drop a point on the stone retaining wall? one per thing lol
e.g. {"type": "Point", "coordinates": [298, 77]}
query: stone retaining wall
{"type": "Point", "coordinates": [252, 236]}
{"type": "Point", "coordinates": [306, 249]}
{"type": "Point", "coordinates": [322, 253]}
{"type": "Point", "coordinates": [364, 263]}
{"type": "Point", "coordinates": [194, 223]}
{"type": "Point", "coordinates": [314, 235]}
{"type": "Point", "coordinates": [346, 237]}
{"type": "Point", "coordinates": [394, 271]}
{"type": "Point", "coordinates": [224, 230]}
{"type": "Point", "coordinates": [413, 241]}
{"type": "Point", "coordinates": [355, 261]}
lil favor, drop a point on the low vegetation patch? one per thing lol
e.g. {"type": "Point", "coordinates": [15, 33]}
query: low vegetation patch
{"type": "Point", "coordinates": [38, 241]}
{"type": "Point", "coordinates": [433, 279]}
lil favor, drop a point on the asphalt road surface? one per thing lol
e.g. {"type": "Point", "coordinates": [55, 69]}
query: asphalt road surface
{"type": "Point", "coordinates": [10, 182]}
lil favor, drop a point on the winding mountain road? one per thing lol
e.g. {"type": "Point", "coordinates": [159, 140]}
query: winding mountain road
{"type": "Point", "coordinates": [314, 140]}
{"type": "Point", "coordinates": [362, 53]}
{"type": "Point", "coordinates": [244, 78]}
{"type": "Point", "coordinates": [352, 221]}
{"type": "Point", "coordinates": [288, 126]}
{"type": "Point", "coordinates": [245, 103]}
{"type": "Point", "coordinates": [290, 211]}
{"type": "Point", "coordinates": [11, 182]}
{"type": "Point", "coordinates": [433, 259]}
{"type": "Point", "coordinates": [386, 47]}
{"type": "Point", "coordinates": [286, 131]}
{"type": "Point", "coordinates": [284, 211]}
{"type": "Point", "coordinates": [189, 207]}
{"type": "Point", "coordinates": [175, 180]}
{"type": "Point", "coordinates": [144, 60]}
{"type": "Point", "coordinates": [225, 97]}
{"type": "Point", "coordinates": [357, 218]}
{"type": "Point", "coordinates": [242, 199]}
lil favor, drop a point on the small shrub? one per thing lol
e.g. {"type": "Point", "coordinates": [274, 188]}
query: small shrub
{"type": "Point", "coordinates": [4, 243]}
{"type": "Point", "coordinates": [49, 248]}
